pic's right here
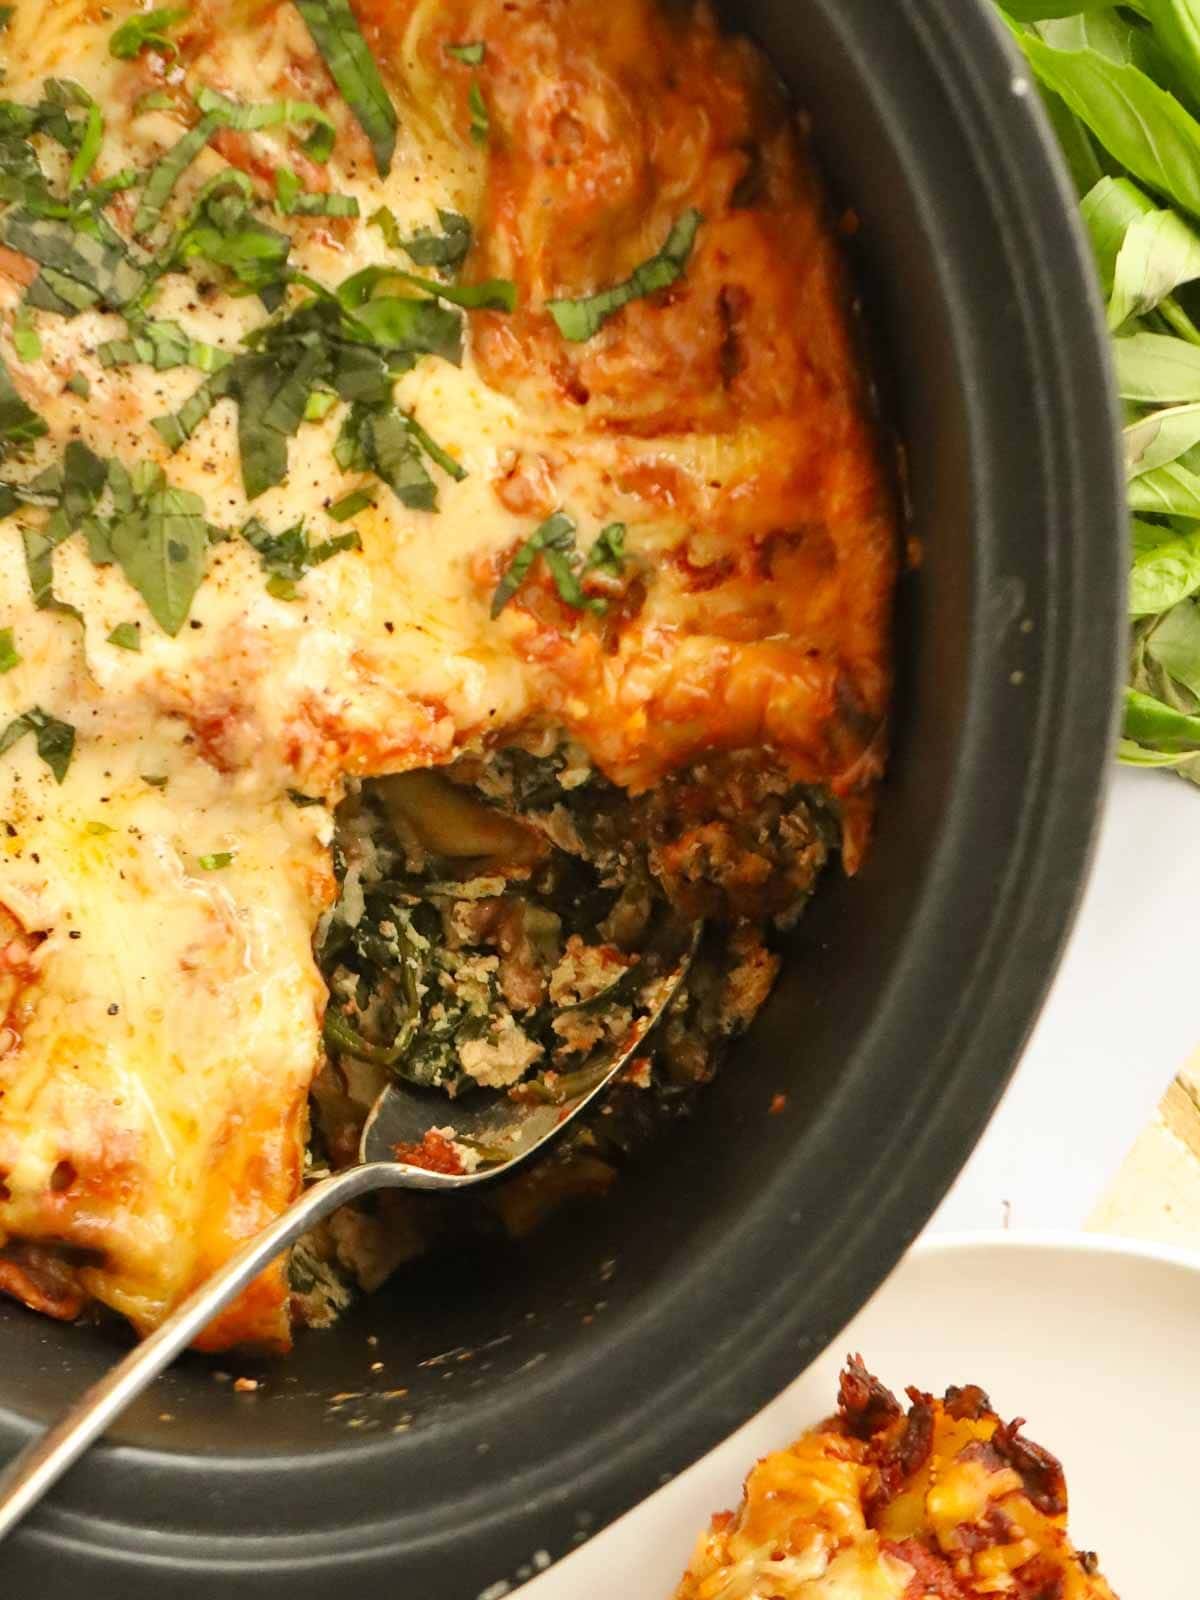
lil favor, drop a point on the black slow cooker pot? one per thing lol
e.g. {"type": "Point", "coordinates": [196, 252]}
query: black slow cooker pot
{"type": "Point", "coordinates": [551, 1386]}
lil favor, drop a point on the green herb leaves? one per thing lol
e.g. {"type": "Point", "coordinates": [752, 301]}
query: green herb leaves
{"type": "Point", "coordinates": [146, 30]}
{"type": "Point", "coordinates": [352, 67]}
{"type": "Point", "coordinates": [287, 556]}
{"type": "Point", "coordinates": [161, 544]}
{"type": "Point", "coordinates": [10, 656]}
{"type": "Point", "coordinates": [554, 542]}
{"type": "Point", "coordinates": [55, 739]}
{"type": "Point", "coordinates": [19, 423]}
{"type": "Point", "coordinates": [580, 319]}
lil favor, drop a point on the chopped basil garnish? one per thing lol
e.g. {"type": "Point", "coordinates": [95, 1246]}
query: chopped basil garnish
{"type": "Point", "coordinates": [39, 545]}
{"type": "Point", "coordinates": [390, 443]}
{"type": "Point", "coordinates": [146, 31]}
{"type": "Point", "coordinates": [166, 173]}
{"type": "Point", "coordinates": [296, 201]}
{"type": "Point", "coordinates": [162, 345]}
{"type": "Point", "coordinates": [446, 250]}
{"type": "Point", "coordinates": [350, 505]}
{"type": "Point", "coordinates": [6, 16]}
{"type": "Point", "coordinates": [287, 556]}
{"type": "Point", "coordinates": [79, 269]}
{"type": "Point", "coordinates": [10, 656]}
{"type": "Point", "coordinates": [79, 385]}
{"type": "Point", "coordinates": [352, 67]}
{"type": "Point", "coordinates": [25, 337]}
{"type": "Point", "coordinates": [126, 636]}
{"type": "Point", "coordinates": [302, 800]}
{"type": "Point", "coordinates": [580, 319]}
{"type": "Point", "coordinates": [480, 121]}
{"type": "Point", "coordinates": [497, 294]}
{"type": "Point", "coordinates": [19, 423]}
{"type": "Point", "coordinates": [472, 54]}
{"type": "Point", "coordinates": [554, 541]}
{"type": "Point", "coordinates": [223, 230]}
{"type": "Point", "coordinates": [272, 114]}
{"type": "Point", "coordinates": [608, 550]}
{"type": "Point", "coordinates": [55, 739]}
{"type": "Point", "coordinates": [161, 545]}
{"type": "Point", "coordinates": [215, 861]}
{"type": "Point", "coordinates": [89, 148]}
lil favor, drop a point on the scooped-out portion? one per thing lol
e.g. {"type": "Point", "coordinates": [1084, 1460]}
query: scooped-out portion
{"type": "Point", "coordinates": [442, 531]}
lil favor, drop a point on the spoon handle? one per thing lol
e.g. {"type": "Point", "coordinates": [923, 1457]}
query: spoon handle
{"type": "Point", "coordinates": [44, 1460]}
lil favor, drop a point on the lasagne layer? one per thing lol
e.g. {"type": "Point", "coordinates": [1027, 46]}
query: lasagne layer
{"type": "Point", "coordinates": [669, 540]}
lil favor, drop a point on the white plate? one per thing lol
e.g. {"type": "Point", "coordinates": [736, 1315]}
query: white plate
{"type": "Point", "coordinates": [1096, 1342]}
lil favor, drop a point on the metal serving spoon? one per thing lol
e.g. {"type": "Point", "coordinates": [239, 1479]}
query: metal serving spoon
{"type": "Point", "coordinates": [506, 1132]}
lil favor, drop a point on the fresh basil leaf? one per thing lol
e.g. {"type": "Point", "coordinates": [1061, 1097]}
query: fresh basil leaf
{"type": "Point", "coordinates": [336, 34]}
{"type": "Point", "coordinates": [224, 231]}
{"type": "Point", "coordinates": [350, 505]}
{"type": "Point", "coordinates": [1160, 438]}
{"type": "Point", "coordinates": [394, 455]}
{"type": "Point", "coordinates": [166, 173]}
{"type": "Point", "coordinates": [1174, 644]}
{"type": "Point", "coordinates": [39, 546]}
{"type": "Point", "coordinates": [320, 403]}
{"type": "Point", "coordinates": [85, 478]}
{"type": "Point", "coordinates": [1037, 10]}
{"type": "Point", "coordinates": [1154, 369]}
{"type": "Point", "coordinates": [413, 327]}
{"type": "Point", "coordinates": [78, 384]}
{"type": "Point", "coordinates": [55, 739]}
{"type": "Point", "coordinates": [25, 338]}
{"type": "Point", "coordinates": [10, 656]}
{"type": "Point", "coordinates": [1143, 126]}
{"type": "Point", "coordinates": [433, 450]}
{"type": "Point", "coordinates": [126, 636]}
{"type": "Point", "coordinates": [295, 201]}
{"type": "Point", "coordinates": [1165, 574]}
{"type": "Point", "coordinates": [1176, 27]}
{"type": "Point", "coordinates": [496, 294]}
{"type": "Point", "coordinates": [1170, 491]}
{"type": "Point", "coordinates": [78, 269]}
{"type": "Point", "coordinates": [1076, 142]}
{"type": "Point", "coordinates": [162, 345]}
{"type": "Point", "coordinates": [1149, 721]}
{"type": "Point", "coordinates": [473, 54]}
{"type": "Point", "coordinates": [89, 148]}
{"type": "Point", "coordinates": [1159, 253]}
{"type": "Point", "coordinates": [154, 100]}
{"type": "Point", "coordinates": [162, 547]}
{"type": "Point", "coordinates": [19, 423]}
{"type": "Point", "coordinates": [177, 427]}
{"type": "Point", "coordinates": [554, 542]}
{"type": "Point", "coordinates": [147, 30]}
{"type": "Point", "coordinates": [215, 861]}
{"type": "Point", "coordinates": [273, 114]}
{"type": "Point", "coordinates": [608, 550]}
{"type": "Point", "coordinates": [481, 125]}
{"type": "Point", "coordinates": [446, 250]}
{"type": "Point", "coordinates": [580, 319]}
{"type": "Point", "coordinates": [287, 556]}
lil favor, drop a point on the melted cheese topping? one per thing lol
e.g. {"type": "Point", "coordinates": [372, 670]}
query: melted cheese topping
{"type": "Point", "coordinates": [163, 1019]}
{"type": "Point", "coordinates": [933, 1504]}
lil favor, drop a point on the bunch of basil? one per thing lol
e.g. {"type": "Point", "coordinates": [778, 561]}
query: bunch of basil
{"type": "Point", "coordinates": [1122, 84]}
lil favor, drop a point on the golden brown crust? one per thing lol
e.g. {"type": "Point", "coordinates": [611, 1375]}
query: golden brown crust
{"type": "Point", "coordinates": [943, 1501]}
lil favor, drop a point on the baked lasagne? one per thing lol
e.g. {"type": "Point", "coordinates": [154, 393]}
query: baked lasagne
{"type": "Point", "coordinates": [944, 1502]}
{"type": "Point", "coordinates": [441, 521]}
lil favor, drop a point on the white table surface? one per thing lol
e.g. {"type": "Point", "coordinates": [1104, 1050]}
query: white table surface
{"type": "Point", "coordinates": [1119, 1022]}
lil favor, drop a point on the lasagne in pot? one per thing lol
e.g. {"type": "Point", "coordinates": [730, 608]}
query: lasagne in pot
{"type": "Point", "coordinates": [946, 1502]}
{"type": "Point", "coordinates": [440, 524]}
